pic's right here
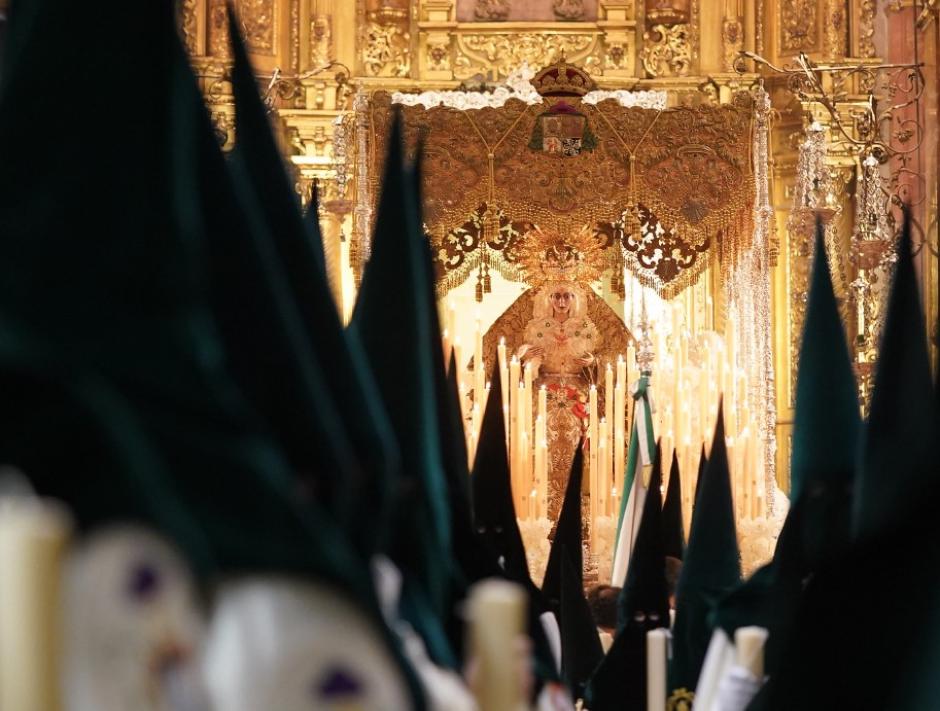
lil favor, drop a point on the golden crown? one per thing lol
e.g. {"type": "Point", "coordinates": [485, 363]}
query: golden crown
{"type": "Point", "coordinates": [563, 79]}
{"type": "Point", "coordinates": [551, 257]}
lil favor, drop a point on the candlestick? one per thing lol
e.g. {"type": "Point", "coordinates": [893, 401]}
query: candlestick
{"type": "Point", "coordinates": [656, 644]}
{"type": "Point", "coordinates": [592, 458]}
{"type": "Point", "coordinates": [543, 474]}
{"type": "Point", "coordinates": [479, 367]}
{"type": "Point", "coordinates": [619, 435]}
{"type": "Point", "coordinates": [525, 459]}
{"type": "Point", "coordinates": [513, 392]}
{"type": "Point", "coordinates": [749, 645]}
{"type": "Point", "coordinates": [522, 440]}
{"type": "Point", "coordinates": [33, 535]}
{"type": "Point", "coordinates": [539, 465]}
{"type": "Point", "coordinates": [603, 476]}
{"type": "Point", "coordinates": [527, 381]}
{"type": "Point", "coordinates": [475, 425]}
{"type": "Point", "coordinates": [452, 319]}
{"type": "Point", "coordinates": [608, 466]}
{"type": "Point", "coordinates": [496, 614]}
{"type": "Point", "coordinates": [445, 338]}
{"type": "Point", "coordinates": [504, 382]}
{"type": "Point", "coordinates": [458, 360]}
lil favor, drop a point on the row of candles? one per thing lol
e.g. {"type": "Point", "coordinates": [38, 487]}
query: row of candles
{"type": "Point", "coordinates": [692, 372]}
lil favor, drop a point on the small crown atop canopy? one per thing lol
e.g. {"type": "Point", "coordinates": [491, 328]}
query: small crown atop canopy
{"type": "Point", "coordinates": [563, 79]}
{"type": "Point", "coordinates": [548, 257]}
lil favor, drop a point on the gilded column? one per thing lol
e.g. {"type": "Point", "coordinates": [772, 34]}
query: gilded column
{"type": "Point", "coordinates": [836, 29]}
{"type": "Point", "coordinates": [732, 33]}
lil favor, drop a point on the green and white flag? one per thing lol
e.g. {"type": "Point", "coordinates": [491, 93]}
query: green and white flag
{"type": "Point", "coordinates": [640, 454]}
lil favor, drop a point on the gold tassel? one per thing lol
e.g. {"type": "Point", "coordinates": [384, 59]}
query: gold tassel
{"type": "Point", "coordinates": [487, 283]}
{"type": "Point", "coordinates": [479, 286]}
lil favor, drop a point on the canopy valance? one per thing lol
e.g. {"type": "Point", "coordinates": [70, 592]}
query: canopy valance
{"type": "Point", "coordinates": [664, 189]}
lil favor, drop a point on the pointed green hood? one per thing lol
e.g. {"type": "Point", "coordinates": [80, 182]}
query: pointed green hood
{"type": "Point", "coordinates": [343, 444]}
{"type": "Point", "coordinates": [900, 440]}
{"type": "Point", "coordinates": [700, 477]}
{"type": "Point", "coordinates": [121, 339]}
{"type": "Point", "coordinates": [619, 682]}
{"type": "Point", "coordinates": [673, 528]}
{"type": "Point", "coordinates": [493, 512]}
{"type": "Point", "coordinates": [892, 567]}
{"type": "Point", "coordinates": [581, 649]}
{"type": "Point", "coordinates": [567, 534]}
{"type": "Point", "coordinates": [393, 319]}
{"type": "Point", "coordinates": [711, 568]}
{"type": "Point", "coordinates": [827, 424]}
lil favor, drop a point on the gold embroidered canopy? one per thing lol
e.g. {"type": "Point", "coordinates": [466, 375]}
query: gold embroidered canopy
{"type": "Point", "coordinates": [661, 188]}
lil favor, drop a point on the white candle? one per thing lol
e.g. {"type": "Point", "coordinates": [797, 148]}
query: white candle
{"type": "Point", "coordinates": [504, 382]}
{"type": "Point", "coordinates": [592, 459]}
{"type": "Point", "coordinates": [445, 338]}
{"type": "Point", "coordinates": [513, 393]}
{"type": "Point", "coordinates": [749, 646]}
{"type": "Point", "coordinates": [496, 616]}
{"type": "Point", "coordinates": [33, 536]}
{"type": "Point", "coordinates": [525, 459]}
{"type": "Point", "coordinates": [603, 475]}
{"type": "Point", "coordinates": [479, 367]}
{"type": "Point", "coordinates": [527, 381]}
{"type": "Point", "coordinates": [656, 644]}
{"type": "Point", "coordinates": [539, 465]}
{"type": "Point", "coordinates": [619, 436]}
{"type": "Point", "coordinates": [522, 447]}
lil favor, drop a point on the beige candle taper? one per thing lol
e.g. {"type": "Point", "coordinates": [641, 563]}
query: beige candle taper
{"type": "Point", "coordinates": [603, 476]}
{"type": "Point", "coordinates": [513, 442]}
{"type": "Point", "coordinates": [619, 437]}
{"type": "Point", "coordinates": [504, 383]}
{"type": "Point", "coordinates": [33, 535]}
{"type": "Point", "coordinates": [592, 458]}
{"type": "Point", "coordinates": [749, 645]}
{"type": "Point", "coordinates": [522, 451]}
{"type": "Point", "coordinates": [657, 642]}
{"type": "Point", "coordinates": [479, 366]}
{"type": "Point", "coordinates": [496, 615]}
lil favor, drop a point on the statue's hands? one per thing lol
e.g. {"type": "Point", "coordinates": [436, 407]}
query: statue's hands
{"type": "Point", "coordinates": [585, 361]}
{"type": "Point", "coordinates": [533, 352]}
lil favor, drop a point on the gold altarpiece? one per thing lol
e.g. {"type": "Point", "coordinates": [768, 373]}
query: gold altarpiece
{"type": "Point", "coordinates": [322, 61]}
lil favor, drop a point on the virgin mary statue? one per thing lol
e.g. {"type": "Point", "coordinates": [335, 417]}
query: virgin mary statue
{"type": "Point", "coordinates": [567, 334]}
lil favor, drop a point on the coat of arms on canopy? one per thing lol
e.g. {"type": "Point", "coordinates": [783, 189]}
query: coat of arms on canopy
{"type": "Point", "coordinates": [668, 190]}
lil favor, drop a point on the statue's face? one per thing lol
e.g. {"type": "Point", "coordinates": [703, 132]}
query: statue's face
{"type": "Point", "coordinates": [561, 300]}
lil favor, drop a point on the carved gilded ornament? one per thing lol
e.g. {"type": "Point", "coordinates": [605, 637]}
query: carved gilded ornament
{"type": "Point", "coordinates": [503, 53]}
{"type": "Point", "coordinates": [667, 51]}
{"type": "Point", "coordinates": [187, 20]}
{"type": "Point", "coordinates": [732, 34]}
{"type": "Point", "coordinates": [219, 44]}
{"type": "Point", "coordinates": [321, 40]}
{"type": "Point", "coordinates": [799, 26]}
{"type": "Point", "coordinates": [385, 50]}
{"type": "Point", "coordinates": [568, 9]}
{"type": "Point", "coordinates": [836, 29]}
{"type": "Point", "coordinates": [866, 28]}
{"type": "Point", "coordinates": [439, 55]}
{"type": "Point", "coordinates": [491, 10]}
{"type": "Point", "coordinates": [258, 24]}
